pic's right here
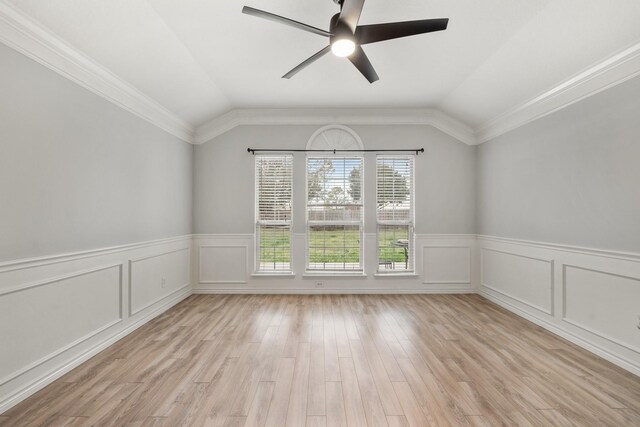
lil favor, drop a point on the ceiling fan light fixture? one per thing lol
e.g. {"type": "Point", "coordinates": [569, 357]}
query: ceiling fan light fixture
{"type": "Point", "coordinates": [343, 47]}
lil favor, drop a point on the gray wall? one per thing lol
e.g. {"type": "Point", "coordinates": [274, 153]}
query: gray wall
{"type": "Point", "coordinates": [224, 177]}
{"type": "Point", "coordinates": [572, 177]}
{"type": "Point", "coordinates": [77, 172]}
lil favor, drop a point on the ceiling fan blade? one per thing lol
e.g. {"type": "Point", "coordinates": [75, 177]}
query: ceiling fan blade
{"type": "Point", "coordinates": [286, 21]}
{"type": "Point", "coordinates": [307, 62]}
{"type": "Point", "coordinates": [350, 13]}
{"type": "Point", "coordinates": [362, 63]}
{"type": "Point", "coordinates": [379, 32]}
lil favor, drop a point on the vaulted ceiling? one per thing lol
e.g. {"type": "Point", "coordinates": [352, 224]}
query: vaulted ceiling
{"type": "Point", "coordinates": [200, 59]}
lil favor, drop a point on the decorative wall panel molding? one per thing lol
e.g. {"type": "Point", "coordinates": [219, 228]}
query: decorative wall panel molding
{"type": "Point", "coordinates": [152, 277]}
{"type": "Point", "coordinates": [602, 303]}
{"type": "Point", "coordinates": [446, 265]}
{"type": "Point", "coordinates": [523, 278]}
{"type": "Point", "coordinates": [223, 264]}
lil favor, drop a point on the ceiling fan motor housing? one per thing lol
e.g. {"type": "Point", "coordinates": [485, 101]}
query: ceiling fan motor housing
{"type": "Point", "coordinates": [338, 30]}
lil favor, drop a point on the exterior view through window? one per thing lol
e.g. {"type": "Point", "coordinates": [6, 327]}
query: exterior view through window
{"type": "Point", "coordinates": [273, 212]}
{"type": "Point", "coordinates": [334, 214]}
{"type": "Point", "coordinates": [394, 213]}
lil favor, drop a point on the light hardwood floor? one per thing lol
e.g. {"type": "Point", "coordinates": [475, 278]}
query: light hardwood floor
{"type": "Point", "coordinates": [289, 360]}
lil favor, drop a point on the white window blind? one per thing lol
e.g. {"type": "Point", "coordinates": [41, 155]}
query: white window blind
{"type": "Point", "coordinates": [394, 213]}
{"type": "Point", "coordinates": [274, 182]}
{"type": "Point", "coordinates": [334, 214]}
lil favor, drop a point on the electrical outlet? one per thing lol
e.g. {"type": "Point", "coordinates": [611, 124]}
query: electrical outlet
{"type": "Point", "coordinates": [163, 283]}
{"type": "Point", "coordinates": [319, 284]}
{"type": "Point", "coordinates": [639, 321]}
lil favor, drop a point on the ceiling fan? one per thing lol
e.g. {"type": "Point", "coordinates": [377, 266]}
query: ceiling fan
{"type": "Point", "coordinates": [346, 37]}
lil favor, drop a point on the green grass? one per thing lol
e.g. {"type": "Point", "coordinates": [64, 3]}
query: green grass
{"type": "Point", "coordinates": [329, 245]}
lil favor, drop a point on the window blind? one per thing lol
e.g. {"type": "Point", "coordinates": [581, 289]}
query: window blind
{"type": "Point", "coordinates": [274, 182]}
{"type": "Point", "coordinates": [394, 212]}
{"type": "Point", "coordinates": [334, 213]}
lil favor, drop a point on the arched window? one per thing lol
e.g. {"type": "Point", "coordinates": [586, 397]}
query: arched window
{"type": "Point", "coordinates": [334, 201]}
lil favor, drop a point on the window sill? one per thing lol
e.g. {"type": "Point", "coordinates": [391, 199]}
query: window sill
{"type": "Point", "coordinates": [273, 275]}
{"type": "Point", "coordinates": [334, 274]}
{"type": "Point", "coordinates": [403, 275]}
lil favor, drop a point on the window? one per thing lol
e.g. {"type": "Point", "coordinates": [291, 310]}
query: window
{"type": "Point", "coordinates": [394, 213]}
{"type": "Point", "coordinates": [273, 213]}
{"type": "Point", "coordinates": [334, 214]}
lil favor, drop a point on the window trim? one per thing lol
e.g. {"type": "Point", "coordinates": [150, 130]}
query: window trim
{"type": "Point", "coordinates": [328, 273]}
{"type": "Point", "coordinates": [256, 270]}
{"type": "Point", "coordinates": [411, 267]}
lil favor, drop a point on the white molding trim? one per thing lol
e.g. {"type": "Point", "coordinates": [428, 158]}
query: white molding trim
{"type": "Point", "coordinates": [57, 279]}
{"type": "Point", "coordinates": [578, 324]}
{"type": "Point", "coordinates": [625, 256]}
{"type": "Point", "coordinates": [22, 33]}
{"type": "Point", "coordinates": [551, 263]}
{"type": "Point", "coordinates": [336, 291]}
{"type": "Point", "coordinates": [222, 236]}
{"type": "Point", "coordinates": [342, 116]}
{"type": "Point", "coordinates": [448, 282]}
{"type": "Point", "coordinates": [245, 262]}
{"type": "Point", "coordinates": [20, 264]}
{"type": "Point", "coordinates": [132, 261]}
{"type": "Point", "coordinates": [603, 75]}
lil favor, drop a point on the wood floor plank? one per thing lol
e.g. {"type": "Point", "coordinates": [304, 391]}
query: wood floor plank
{"type": "Point", "coordinates": [316, 399]}
{"type": "Point", "coordinates": [259, 408]}
{"type": "Point", "coordinates": [297, 414]}
{"type": "Point", "coordinates": [412, 412]}
{"type": "Point", "coordinates": [335, 404]}
{"type": "Point", "coordinates": [277, 415]}
{"type": "Point", "coordinates": [338, 360]}
{"type": "Point", "coordinates": [353, 406]}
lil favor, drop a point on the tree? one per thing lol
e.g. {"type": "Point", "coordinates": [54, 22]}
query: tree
{"type": "Point", "coordinates": [392, 186]}
{"type": "Point", "coordinates": [318, 178]}
{"type": "Point", "coordinates": [335, 195]}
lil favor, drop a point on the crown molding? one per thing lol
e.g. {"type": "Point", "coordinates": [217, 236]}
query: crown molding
{"type": "Point", "coordinates": [23, 34]}
{"type": "Point", "coordinates": [344, 116]}
{"type": "Point", "coordinates": [610, 72]}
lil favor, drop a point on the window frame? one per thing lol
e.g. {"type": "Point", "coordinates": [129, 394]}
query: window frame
{"type": "Point", "coordinates": [309, 224]}
{"type": "Point", "coordinates": [410, 222]}
{"type": "Point", "coordinates": [259, 222]}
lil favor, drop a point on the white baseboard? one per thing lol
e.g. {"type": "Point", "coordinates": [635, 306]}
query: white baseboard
{"type": "Point", "coordinates": [297, 291]}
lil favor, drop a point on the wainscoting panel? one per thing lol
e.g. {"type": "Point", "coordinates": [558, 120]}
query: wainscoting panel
{"type": "Point", "coordinates": [46, 317]}
{"type": "Point", "coordinates": [596, 295]}
{"type": "Point", "coordinates": [523, 278]}
{"type": "Point", "coordinates": [223, 264]}
{"type": "Point", "coordinates": [603, 303]}
{"type": "Point", "coordinates": [446, 264]}
{"type": "Point", "coordinates": [58, 311]}
{"type": "Point", "coordinates": [153, 277]}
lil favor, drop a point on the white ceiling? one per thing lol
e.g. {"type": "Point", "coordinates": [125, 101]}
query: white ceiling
{"type": "Point", "coordinates": [200, 59]}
